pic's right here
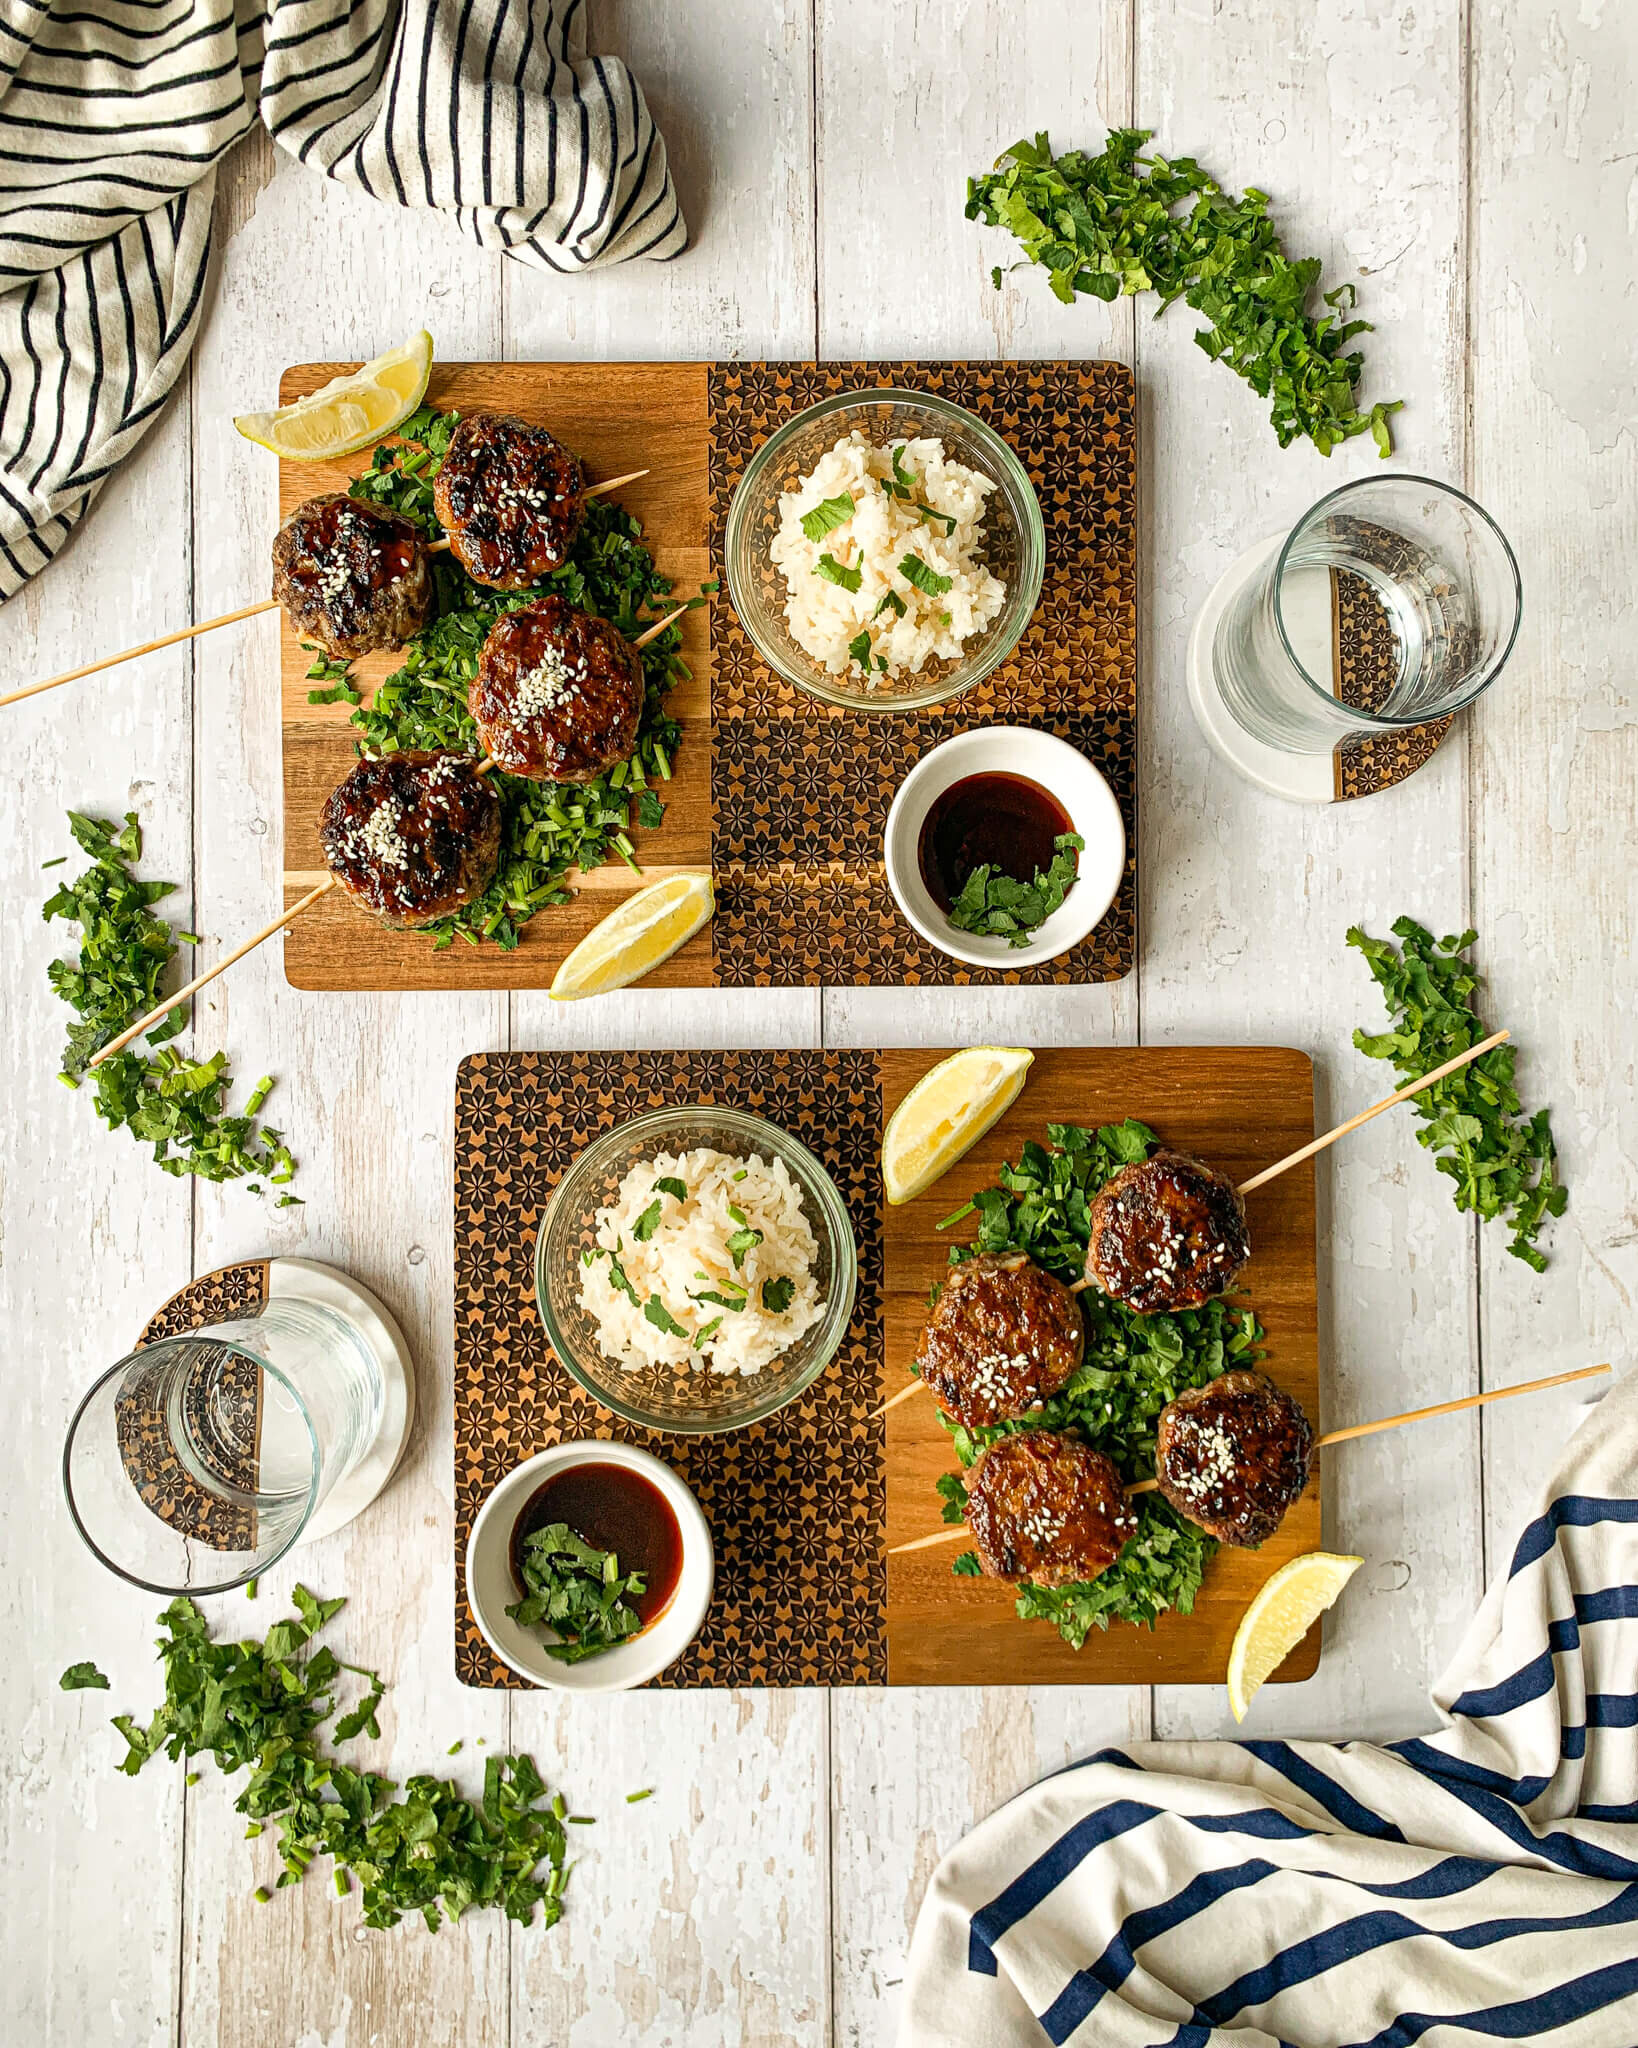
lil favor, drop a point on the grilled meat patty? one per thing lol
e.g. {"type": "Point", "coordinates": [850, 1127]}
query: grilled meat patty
{"type": "Point", "coordinates": [1168, 1232]}
{"type": "Point", "coordinates": [1047, 1508]}
{"type": "Point", "coordinates": [351, 576]}
{"type": "Point", "coordinates": [1003, 1336]}
{"type": "Point", "coordinates": [1234, 1455]}
{"type": "Point", "coordinates": [558, 693]}
{"type": "Point", "coordinates": [412, 836]}
{"type": "Point", "coordinates": [511, 500]}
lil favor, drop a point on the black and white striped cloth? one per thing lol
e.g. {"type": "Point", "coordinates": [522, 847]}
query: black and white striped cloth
{"type": "Point", "coordinates": [1478, 1885]}
{"type": "Point", "coordinates": [115, 113]}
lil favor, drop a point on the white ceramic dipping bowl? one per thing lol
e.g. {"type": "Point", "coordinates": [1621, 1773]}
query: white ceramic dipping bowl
{"type": "Point", "coordinates": [491, 1589]}
{"type": "Point", "coordinates": [1057, 768]}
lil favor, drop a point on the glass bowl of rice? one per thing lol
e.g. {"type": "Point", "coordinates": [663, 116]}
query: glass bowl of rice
{"type": "Point", "coordinates": [928, 482]}
{"type": "Point", "coordinates": [695, 1269]}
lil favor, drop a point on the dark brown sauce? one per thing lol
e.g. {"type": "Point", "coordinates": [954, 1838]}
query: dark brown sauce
{"type": "Point", "coordinates": [615, 1509]}
{"type": "Point", "coordinates": [1000, 822]}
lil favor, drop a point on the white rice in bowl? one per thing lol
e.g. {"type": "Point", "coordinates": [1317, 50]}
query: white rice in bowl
{"type": "Point", "coordinates": [903, 624]}
{"type": "Point", "coordinates": [738, 1232]}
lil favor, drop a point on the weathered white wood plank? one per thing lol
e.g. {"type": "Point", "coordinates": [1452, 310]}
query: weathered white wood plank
{"type": "Point", "coordinates": [1352, 117]}
{"type": "Point", "coordinates": [907, 109]}
{"type": "Point", "coordinates": [1554, 750]}
{"type": "Point", "coordinates": [92, 1237]}
{"type": "Point", "coordinates": [365, 1094]}
{"type": "Point", "coordinates": [700, 1915]}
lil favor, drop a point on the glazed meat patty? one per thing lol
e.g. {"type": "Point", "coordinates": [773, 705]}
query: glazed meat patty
{"type": "Point", "coordinates": [351, 576]}
{"type": "Point", "coordinates": [1233, 1456]}
{"type": "Point", "coordinates": [558, 693]}
{"type": "Point", "coordinates": [511, 500]}
{"type": "Point", "coordinates": [1167, 1233]}
{"type": "Point", "coordinates": [1003, 1336]}
{"type": "Point", "coordinates": [1047, 1508]}
{"type": "Point", "coordinates": [412, 836]}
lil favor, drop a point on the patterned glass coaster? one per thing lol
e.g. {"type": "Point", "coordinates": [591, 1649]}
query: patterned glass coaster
{"type": "Point", "coordinates": [795, 1503]}
{"type": "Point", "coordinates": [801, 790]}
{"type": "Point", "coordinates": [144, 1444]}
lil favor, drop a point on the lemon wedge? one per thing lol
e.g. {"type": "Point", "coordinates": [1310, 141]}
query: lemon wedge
{"type": "Point", "coordinates": [946, 1113]}
{"type": "Point", "coordinates": [1280, 1616]}
{"type": "Point", "coordinates": [349, 412]}
{"type": "Point", "coordinates": [635, 937]}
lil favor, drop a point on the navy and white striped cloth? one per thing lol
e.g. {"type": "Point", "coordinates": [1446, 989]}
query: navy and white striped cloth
{"type": "Point", "coordinates": [1476, 1885]}
{"type": "Point", "coordinates": [115, 113]}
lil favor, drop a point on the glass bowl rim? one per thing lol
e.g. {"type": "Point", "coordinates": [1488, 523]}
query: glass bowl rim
{"type": "Point", "coordinates": [829, 1333]}
{"type": "Point", "coordinates": [1032, 549]}
{"type": "Point", "coordinates": [1468, 696]}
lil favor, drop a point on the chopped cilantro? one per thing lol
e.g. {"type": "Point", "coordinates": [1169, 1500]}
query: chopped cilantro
{"type": "Point", "coordinates": [838, 573]}
{"type": "Point", "coordinates": [827, 515]}
{"type": "Point", "coordinates": [999, 905]}
{"type": "Point", "coordinates": [928, 581]}
{"type": "Point", "coordinates": [579, 1592]}
{"type": "Point", "coordinates": [1503, 1162]}
{"type": "Point", "coordinates": [777, 1295]}
{"type": "Point", "coordinates": [83, 1677]}
{"type": "Point", "coordinates": [656, 1312]}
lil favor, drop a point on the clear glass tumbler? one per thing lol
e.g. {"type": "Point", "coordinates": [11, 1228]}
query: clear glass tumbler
{"type": "Point", "coordinates": [1411, 568]}
{"type": "Point", "coordinates": [196, 1462]}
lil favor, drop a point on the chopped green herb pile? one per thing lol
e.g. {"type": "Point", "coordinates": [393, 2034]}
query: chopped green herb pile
{"type": "Point", "coordinates": [998, 905]}
{"type": "Point", "coordinates": [1503, 1162]}
{"type": "Point", "coordinates": [259, 1707]}
{"type": "Point", "coordinates": [177, 1105]}
{"type": "Point", "coordinates": [1133, 1366]}
{"type": "Point", "coordinates": [83, 1678]}
{"type": "Point", "coordinates": [547, 828]}
{"type": "Point", "coordinates": [1105, 225]}
{"type": "Point", "coordinates": [577, 1590]}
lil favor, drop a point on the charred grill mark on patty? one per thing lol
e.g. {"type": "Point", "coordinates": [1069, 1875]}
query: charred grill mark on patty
{"type": "Point", "coordinates": [1047, 1508]}
{"type": "Point", "coordinates": [1003, 1337]}
{"type": "Point", "coordinates": [351, 576]}
{"type": "Point", "coordinates": [1233, 1456]}
{"type": "Point", "coordinates": [1168, 1232]}
{"type": "Point", "coordinates": [511, 499]}
{"type": "Point", "coordinates": [558, 693]}
{"type": "Point", "coordinates": [412, 836]}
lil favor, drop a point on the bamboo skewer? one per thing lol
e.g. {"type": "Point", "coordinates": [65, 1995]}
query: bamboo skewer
{"type": "Point", "coordinates": [1404, 1094]}
{"type": "Point", "coordinates": [73, 675]}
{"type": "Point", "coordinates": [1335, 1436]}
{"type": "Point", "coordinates": [182, 995]}
{"type": "Point", "coordinates": [248, 611]}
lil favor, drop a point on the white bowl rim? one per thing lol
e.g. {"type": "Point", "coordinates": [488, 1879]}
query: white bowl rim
{"type": "Point", "coordinates": [1077, 783]}
{"type": "Point", "coordinates": [644, 1656]}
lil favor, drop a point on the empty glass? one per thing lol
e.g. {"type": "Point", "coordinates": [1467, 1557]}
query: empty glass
{"type": "Point", "coordinates": [197, 1462]}
{"type": "Point", "coordinates": [1402, 584]}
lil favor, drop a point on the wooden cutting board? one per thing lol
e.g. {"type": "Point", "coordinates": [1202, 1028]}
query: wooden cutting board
{"type": "Point", "coordinates": [804, 1506]}
{"type": "Point", "coordinates": [1241, 1107]}
{"type": "Point", "coordinates": [783, 796]}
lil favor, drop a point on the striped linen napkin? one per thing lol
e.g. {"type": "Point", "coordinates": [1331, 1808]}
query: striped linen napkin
{"type": "Point", "coordinates": [1475, 1885]}
{"type": "Point", "coordinates": [115, 113]}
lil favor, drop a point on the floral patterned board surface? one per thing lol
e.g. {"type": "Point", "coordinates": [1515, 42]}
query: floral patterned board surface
{"type": "Point", "coordinates": [800, 791]}
{"type": "Point", "coordinates": [795, 1503]}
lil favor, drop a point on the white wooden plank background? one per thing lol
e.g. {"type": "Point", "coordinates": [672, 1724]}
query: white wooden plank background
{"type": "Point", "coordinates": [1478, 161]}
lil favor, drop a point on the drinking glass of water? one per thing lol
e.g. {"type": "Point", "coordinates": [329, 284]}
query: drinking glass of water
{"type": "Point", "coordinates": [198, 1461]}
{"type": "Point", "coordinates": [1412, 572]}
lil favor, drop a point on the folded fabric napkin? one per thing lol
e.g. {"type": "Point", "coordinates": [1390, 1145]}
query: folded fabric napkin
{"type": "Point", "coordinates": [115, 113]}
{"type": "Point", "coordinates": [1477, 1884]}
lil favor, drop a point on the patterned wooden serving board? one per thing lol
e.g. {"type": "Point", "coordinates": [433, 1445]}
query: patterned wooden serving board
{"type": "Point", "coordinates": [785, 797]}
{"type": "Point", "coordinates": [804, 1506]}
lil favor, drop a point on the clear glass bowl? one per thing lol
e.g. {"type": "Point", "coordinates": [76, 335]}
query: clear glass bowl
{"type": "Point", "coordinates": [680, 1401]}
{"type": "Point", "coordinates": [1013, 544]}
